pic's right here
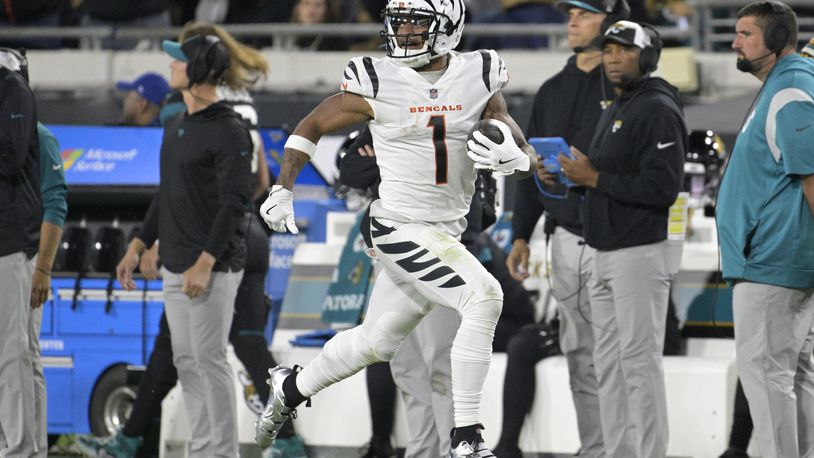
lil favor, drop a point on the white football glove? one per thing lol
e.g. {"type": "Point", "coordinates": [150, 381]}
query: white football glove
{"type": "Point", "coordinates": [504, 159]}
{"type": "Point", "coordinates": [278, 210]}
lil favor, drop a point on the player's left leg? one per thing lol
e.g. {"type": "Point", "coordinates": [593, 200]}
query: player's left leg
{"type": "Point", "coordinates": [391, 315]}
{"type": "Point", "coordinates": [441, 269]}
{"type": "Point", "coordinates": [422, 259]}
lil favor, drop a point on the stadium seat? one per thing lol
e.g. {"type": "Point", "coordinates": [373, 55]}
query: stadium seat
{"type": "Point", "coordinates": [74, 250]}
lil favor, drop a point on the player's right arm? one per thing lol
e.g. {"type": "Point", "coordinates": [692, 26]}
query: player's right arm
{"type": "Point", "coordinates": [514, 156]}
{"type": "Point", "coordinates": [334, 113]}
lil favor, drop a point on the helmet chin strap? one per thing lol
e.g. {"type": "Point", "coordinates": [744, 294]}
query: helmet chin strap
{"type": "Point", "coordinates": [419, 60]}
{"type": "Point", "coordinates": [415, 61]}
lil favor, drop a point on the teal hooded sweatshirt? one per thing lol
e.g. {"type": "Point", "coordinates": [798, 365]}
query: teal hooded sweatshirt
{"type": "Point", "coordinates": [765, 226]}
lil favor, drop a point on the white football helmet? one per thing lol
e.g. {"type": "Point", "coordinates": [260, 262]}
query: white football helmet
{"type": "Point", "coordinates": [444, 20]}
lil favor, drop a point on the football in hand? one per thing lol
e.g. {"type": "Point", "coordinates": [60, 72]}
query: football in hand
{"type": "Point", "coordinates": [489, 129]}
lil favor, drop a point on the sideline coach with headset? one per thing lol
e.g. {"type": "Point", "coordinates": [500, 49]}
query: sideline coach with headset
{"type": "Point", "coordinates": [568, 105]}
{"type": "Point", "coordinates": [198, 214]}
{"type": "Point", "coordinates": [633, 173]}
{"type": "Point", "coordinates": [20, 216]}
{"type": "Point", "coordinates": [765, 217]}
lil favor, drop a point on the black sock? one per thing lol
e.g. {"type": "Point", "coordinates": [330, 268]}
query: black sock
{"type": "Point", "coordinates": [469, 434]}
{"type": "Point", "coordinates": [381, 395]}
{"type": "Point", "coordinates": [742, 425]}
{"type": "Point", "coordinates": [287, 431]}
{"type": "Point", "coordinates": [293, 397]}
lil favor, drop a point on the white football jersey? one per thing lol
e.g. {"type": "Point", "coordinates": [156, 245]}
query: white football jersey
{"type": "Point", "coordinates": [420, 130]}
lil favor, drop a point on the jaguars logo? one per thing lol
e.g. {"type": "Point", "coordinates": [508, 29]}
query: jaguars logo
{"type": "Point", "coordinates": [615, 28]}
{"type": "Point", "coordinates": [355, 274]}
{"type": "Point", "coordinates": [250, 395]}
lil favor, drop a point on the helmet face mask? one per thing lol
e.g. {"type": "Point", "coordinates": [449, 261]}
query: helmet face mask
{"type": "Point", "coordinates": [437, 26]}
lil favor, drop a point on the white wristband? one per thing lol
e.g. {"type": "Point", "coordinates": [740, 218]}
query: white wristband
{"type": "Point", "coordinates": [301, 144]}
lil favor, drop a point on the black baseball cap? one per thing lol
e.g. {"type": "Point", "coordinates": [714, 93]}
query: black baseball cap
{"type": "Point", "coordinates": [186, 50]}
{"type": "Point", "coordinates": [627, 33]}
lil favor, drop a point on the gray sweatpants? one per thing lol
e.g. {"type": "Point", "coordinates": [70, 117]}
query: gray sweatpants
{"type": "Point", "coordinates": [572, 264]}
{"type": "Point", "coordinates": [422, 370]}
{"type": "Point", "coordinates": [200, 332]}
{"type": "Point", "coordinates": [629, 294]}
{"type": "Point", "coordinates": [22, 384]}
{"type": "Point", "coordinates": [774, 342]}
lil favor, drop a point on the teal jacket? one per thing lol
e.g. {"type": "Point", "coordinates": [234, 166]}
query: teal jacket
{"type": "Point", "coordinates": [52, 179]}
{"type": "Point", "coordinates": [765, 227]}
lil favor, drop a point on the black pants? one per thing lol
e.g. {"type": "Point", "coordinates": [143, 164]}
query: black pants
{"type": "Point", "coordinates": [530, 345]}
{"type": "Point", "coordinates": [381, 395]}
{"type": "Point", "coordinates": [246, 336]}
{"type": "Point", "coordinates": [741, 421]}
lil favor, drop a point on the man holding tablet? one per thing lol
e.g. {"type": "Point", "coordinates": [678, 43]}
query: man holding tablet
{"type": "Point", "coordinates": [568, 105]}
{"type": "Point", "coordinates": [633, 173]}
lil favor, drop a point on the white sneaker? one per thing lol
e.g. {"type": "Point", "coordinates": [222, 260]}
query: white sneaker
{"type": "Point", "coordinates": [475, 449]}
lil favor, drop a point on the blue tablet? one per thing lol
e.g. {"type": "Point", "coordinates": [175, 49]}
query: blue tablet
{"type": "Point", "coordinates": [548, 148]}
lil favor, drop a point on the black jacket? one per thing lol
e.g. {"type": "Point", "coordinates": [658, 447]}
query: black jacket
{"type": "Point", "coordinates": [639, 150]}
{"type": "Point", "coordinates": [20, 199]}
{"type": "Point", "coordinates": [203, 198]}
{"type": "Point", "coordinates": [568, 105]}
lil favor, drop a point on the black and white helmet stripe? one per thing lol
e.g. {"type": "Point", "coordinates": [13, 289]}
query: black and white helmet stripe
{"type": "Point", "coordinates": [445, 20]}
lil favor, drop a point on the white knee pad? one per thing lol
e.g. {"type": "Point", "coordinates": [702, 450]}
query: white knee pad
{"type": "Point", "coordinates": [486, 301]}
{"type": "Point", "coordinates": [356, 344]}
{"type": "Point", "coordinates": [383, 345]}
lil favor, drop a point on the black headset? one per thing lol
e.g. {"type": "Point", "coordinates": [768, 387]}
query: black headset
{"type": "Point", "coordinates": [777, 33]}
{"type": "Point", "coordinates": [649, 57]}
{"type": "Point", "coordinates": [615, 11]}
{"type": "Point", "coordinates": [209, 60]}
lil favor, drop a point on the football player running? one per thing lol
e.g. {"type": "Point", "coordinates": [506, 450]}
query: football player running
{"type": "Point", "coordinates": [421, 101]}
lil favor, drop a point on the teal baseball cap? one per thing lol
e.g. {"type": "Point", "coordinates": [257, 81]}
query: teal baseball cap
{"type": "Point", "coordinates": [594, 6]}
{"type": "Point", "coordinates": [173, 48]}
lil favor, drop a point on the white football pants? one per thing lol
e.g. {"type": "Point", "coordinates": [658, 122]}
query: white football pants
{"type": "Point", "coordinates": [423, 265]}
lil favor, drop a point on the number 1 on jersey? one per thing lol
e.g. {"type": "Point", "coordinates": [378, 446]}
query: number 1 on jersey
{"type": "Point", "coordinates": [439, 140]}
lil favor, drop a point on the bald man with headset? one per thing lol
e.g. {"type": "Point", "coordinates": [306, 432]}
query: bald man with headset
{"type": "Point", "coordinates": [765, 217]}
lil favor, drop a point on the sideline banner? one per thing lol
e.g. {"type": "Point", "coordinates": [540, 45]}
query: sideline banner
{"type": "Point", "coordinates": [130, 156]}
{"type": "Point", "coordinates": [348, 290]}
{"type": "Point", "coordinates": [106, 155]}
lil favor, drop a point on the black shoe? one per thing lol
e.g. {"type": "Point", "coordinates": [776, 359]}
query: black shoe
{"type": "Point", "coordinates": [507, 451]}
{"type": "Point", "coordinates": [734, 453]}
{"type": "Point", "coordinates": [377, 448]}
